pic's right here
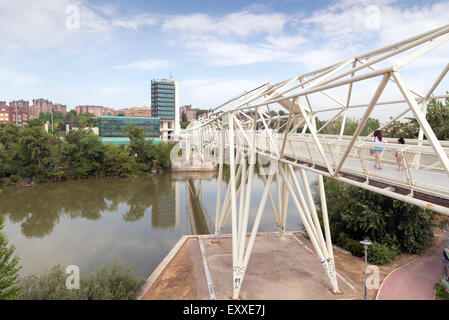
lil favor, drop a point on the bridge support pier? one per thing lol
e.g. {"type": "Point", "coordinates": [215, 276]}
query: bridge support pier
{"type": "Point", "coordinates": [237, 201]}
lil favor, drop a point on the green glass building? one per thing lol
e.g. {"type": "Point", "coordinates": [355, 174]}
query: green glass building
{"type": "Point", "coordinates": [163, 99]}
{"type": "Point", "coordinates": [113, 126]}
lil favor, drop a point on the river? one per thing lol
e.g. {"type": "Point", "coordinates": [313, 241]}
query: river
{"type": "Point", "coordinates": [133, 220]}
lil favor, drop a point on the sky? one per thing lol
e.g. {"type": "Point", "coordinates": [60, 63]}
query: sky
{"type": "Point", "coordinates": [78, 52]}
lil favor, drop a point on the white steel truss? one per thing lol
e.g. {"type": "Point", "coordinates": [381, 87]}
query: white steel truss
{"type": "Point", "coordinates": [244, 132]}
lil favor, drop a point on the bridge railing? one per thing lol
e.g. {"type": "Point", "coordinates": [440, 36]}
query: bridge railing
{"type": "Point", "coordinates": [420, 170]}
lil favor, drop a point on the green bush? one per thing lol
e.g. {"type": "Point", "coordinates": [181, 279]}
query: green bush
{"type": "Point", "coordinates": [145, 151]}
{"type": "Point", "coordinates": [118, 162]}
{"type": "Point", "coordinates": [394, 226]}
{"type": "Point", "coordinates": [441, 291]}
{"type": "Point", "coordinates": [379, 254]}
{"type": "Point", "coordinates": [353, 246]}
{"type": "Point", "coordinates": [9, 268]}
{"type": "Point", "coordinates": [109, 282]}
{"type": "Point", "coordinates": [48, 286]}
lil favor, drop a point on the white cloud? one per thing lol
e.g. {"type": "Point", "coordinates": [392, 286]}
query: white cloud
{"type": "Point", "coordinates": [227, 53]}
{"type": "Point", "coordinates": [42, 24]}
{"type": "Point", "coordinates": [135, 22]}
{"type": "Point", "coordinates": [231, 39]}
{"type": "Point", "coordinates": [351, 27]}
{"type": "Point", "coordinates": [197, 23]}
{"type": "Point", "coordinates": [286, 42]}
{"type": "Point", "coordinates": [317, 58]}
{"type": "Point", "coordinates": [150, 64]}
{"type": "Point", "coordinates": [209, 93]}
{"type": "Point", "coordinates": [352, 21]}
{"type": "Point", "coordinates": [242, 24]}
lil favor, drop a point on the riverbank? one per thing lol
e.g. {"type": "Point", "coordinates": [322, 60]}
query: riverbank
{"type": "Point", "coordinates": [6, 182]}
{"type": "Point", "coordinates": [30, 155]}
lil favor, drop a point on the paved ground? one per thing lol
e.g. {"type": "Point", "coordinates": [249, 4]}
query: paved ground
{"type": "Point", "coordinates": [183, 278]}
{"type": "Point", "coordinates": [288, 269]}
{"type": "Point", "coordinates": [278, 269]}
{"type": "Point", "coordinates": [416, 280]}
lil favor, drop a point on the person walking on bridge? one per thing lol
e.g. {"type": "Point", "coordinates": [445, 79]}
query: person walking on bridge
{"type": "Point", "coordinates": [398, 155]}
{"type": "Point", "coordinates": [377, 149]}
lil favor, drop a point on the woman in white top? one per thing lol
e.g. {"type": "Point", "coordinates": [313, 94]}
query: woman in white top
{"type": "Point", "coordinates": [377, 150]}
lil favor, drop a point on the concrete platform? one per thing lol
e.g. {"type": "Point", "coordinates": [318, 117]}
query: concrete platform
{"type": "Point", "coordinates": [194, 164]}
{"type": "Point", "coordinates": [278, 269]}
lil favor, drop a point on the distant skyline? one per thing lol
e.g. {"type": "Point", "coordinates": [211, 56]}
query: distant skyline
{"type": "Point", "coordinates": [215, 49]}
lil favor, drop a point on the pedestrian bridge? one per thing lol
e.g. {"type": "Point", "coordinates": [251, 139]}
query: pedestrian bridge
{"type": "Point", "coordinates": [422, 180]}
{"type": "Point", "coordinates": [249, 130]}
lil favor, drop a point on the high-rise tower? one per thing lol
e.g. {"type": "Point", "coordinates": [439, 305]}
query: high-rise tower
{"type": "Point", "coordinates": [165, 105]}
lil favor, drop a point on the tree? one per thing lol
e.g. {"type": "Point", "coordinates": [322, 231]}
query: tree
{"type": "Point", "coordinates": [142, 149]}
{"type": "Point", "coordinates": [184, 124]}
{"type": "Point", "coordinates": [406, 130]}
{"type": "Point", "coordinates": [146, 151]}
{"type": "Point", "coordinates": [370, 126]}
{"type": "Point", "coordinates": [9, 268]}
{"type": "Point", "coordinates": [82, 122]}
{"type": "Point", "coordinates": [117, 161]}
{"type": "Point", "coordinates": [356, 214]}
{"type": "Point", "coordinates": [35, 123]}
{"type": "Point", "coordinates": [438, 118]}
{"type": "Point", "coordinates": [46, 116]}
{"type": "Point", "coordinates": [84, 153]}
{"type": "Point", "coordinates": [351, 125]}
{"type": "Point", "coordinates": [200, 111]}
{"type": "Point", "coordinates": [183, 117]}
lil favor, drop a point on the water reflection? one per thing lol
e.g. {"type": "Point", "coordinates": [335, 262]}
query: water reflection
{"type": "Point", "coordinates": [194, 204]}
{"type": "Point", "coordinates": [38, 209]}
{"type": "Point", "coordinates": [137, 220]}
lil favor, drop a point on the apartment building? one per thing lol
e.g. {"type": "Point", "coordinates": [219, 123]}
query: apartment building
{"type": "Point", "coordinates": [97, 111]}
{"type": "Point", "coordinates": [188, 111]}
{"type": "Point", "coordinates": [43, 105]}
{"type": "Point", "coordinates": [136, 112]}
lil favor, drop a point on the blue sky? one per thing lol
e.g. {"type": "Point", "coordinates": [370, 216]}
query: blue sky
{"type": "Point", "coordinates": [215, 49]}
